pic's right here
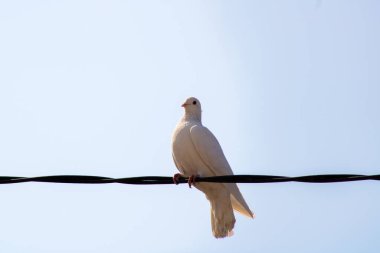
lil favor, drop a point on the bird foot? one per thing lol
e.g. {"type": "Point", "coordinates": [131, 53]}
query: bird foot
{"type": "Point", "coordinates": [191, 180]}
{"type": "Point", "coordinates": [176, 178]}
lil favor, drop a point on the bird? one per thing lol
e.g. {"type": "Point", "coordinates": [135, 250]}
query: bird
{"type": "Point", "coordinates": [197, 153]}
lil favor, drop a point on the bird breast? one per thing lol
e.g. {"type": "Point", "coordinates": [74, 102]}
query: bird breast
{"type": "Point", "coordinates": [185, 154]}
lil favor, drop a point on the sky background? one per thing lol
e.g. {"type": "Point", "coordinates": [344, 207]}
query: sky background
{"type": "Point", "coordinates": [95, 87]}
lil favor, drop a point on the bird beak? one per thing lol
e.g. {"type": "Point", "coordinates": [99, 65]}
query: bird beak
{"type": "Point", "coordinates": [183, 105]}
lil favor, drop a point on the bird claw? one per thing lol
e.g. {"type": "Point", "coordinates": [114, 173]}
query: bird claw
{"type": "Point", "coordinates": [191, 180]}
{"type": "Point", "coordinates": [176, 178]}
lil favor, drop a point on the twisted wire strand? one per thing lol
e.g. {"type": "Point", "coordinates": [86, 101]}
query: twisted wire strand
{"type": "Point", "coordinates": [146, 180]}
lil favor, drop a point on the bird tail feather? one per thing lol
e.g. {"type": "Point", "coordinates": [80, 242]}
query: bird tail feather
{"type": "Point", "coordinates": [238, 202]}
{"type": "Point", "coordinates": [222, 217]}
{"type": "Point", "coordinates": [236, 205]}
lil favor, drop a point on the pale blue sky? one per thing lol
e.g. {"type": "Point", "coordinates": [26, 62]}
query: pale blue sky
{"type": "Point", "coordinates": [95, 87]}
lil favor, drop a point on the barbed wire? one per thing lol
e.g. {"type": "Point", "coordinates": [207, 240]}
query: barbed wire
{"type": "Point", "coordinates": [79, 179]}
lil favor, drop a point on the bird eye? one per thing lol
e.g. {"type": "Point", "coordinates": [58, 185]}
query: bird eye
{"type": "Point", "coordinates": [194, 102]}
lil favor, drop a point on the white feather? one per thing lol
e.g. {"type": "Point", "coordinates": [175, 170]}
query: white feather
{"type": "Point", "coordinates": [196, 151]}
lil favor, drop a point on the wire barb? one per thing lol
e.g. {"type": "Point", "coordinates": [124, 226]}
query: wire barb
{"type": "Point", "coordinates": [78, 179]}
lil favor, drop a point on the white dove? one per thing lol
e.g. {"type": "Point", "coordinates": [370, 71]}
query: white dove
{"type": "Point", "coordinates": [196, 152]}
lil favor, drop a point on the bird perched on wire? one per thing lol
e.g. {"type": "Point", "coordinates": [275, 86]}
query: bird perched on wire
{"type": "Point", "coordinates": [196, 152]}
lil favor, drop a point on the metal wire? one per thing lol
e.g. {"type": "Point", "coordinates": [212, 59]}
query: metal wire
{"type": "Point", "coordinates": [78, 179]}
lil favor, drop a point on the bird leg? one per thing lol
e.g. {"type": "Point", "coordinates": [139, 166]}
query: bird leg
{"type": "Point", "coordinates": [176, 178]}
{"type": "Point", "coordinates": [191, 180]}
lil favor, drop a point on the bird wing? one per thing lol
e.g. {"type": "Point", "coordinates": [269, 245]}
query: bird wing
{"type": "Point", "coordinates": [212, 155]}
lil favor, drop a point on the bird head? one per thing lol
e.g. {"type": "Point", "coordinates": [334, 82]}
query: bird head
{"type": "Point", "coordinates": [192, 108]}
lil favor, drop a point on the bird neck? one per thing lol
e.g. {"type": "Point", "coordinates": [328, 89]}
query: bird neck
{"type": "Point", "coordinates": [192, 116]}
